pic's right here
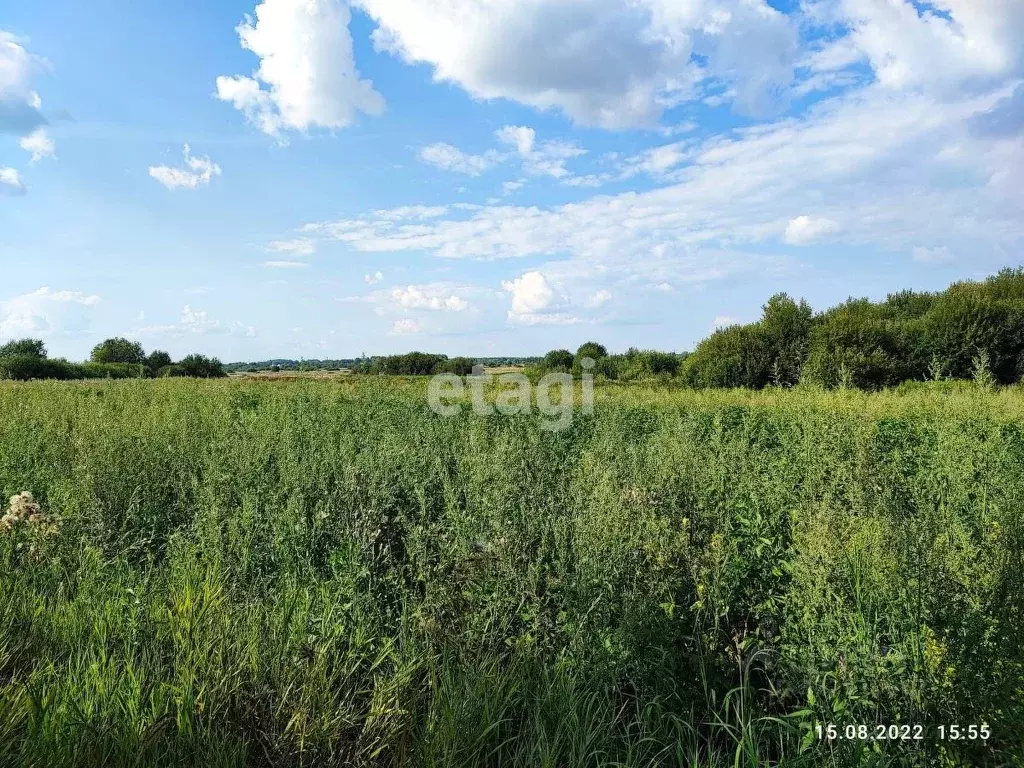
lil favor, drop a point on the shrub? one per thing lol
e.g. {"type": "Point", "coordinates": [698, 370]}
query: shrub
{"type": "Point", "coordinates": [199, 367]}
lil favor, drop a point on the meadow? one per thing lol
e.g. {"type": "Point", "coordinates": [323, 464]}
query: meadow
{"type": "Point", "coordinates": [308, 573]}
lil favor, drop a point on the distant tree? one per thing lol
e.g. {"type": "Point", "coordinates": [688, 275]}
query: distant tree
{"type": "Point", "coordinates": [275, 369]}
{"type": "Point", "coordinates": [559, 359]}
{"type": "Point", "coordinates": [460, 366]}
{"type": "Point", "coordinates": [157, 360]}
{"type": "Point", "coordinates": [591, 349]}
{"type": "Point", "coordinates": [27, 347]}
{"type": "Point", "coordinates": [118, 350]}
{"type": "Point", "coordinates": [200, 367]}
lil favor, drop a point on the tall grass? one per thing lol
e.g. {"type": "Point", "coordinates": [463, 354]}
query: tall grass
{"type": "Point", "coordinates": [323, 573]}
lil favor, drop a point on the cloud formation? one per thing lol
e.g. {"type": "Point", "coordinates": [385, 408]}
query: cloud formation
{"type": "Point", "coordinates": [46, 312]}
{"type": "Point", "coordinates": [307, 76]}
{"type": "Point", "coordinates": [198, 172]}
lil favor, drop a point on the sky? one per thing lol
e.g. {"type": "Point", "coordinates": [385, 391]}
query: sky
{"type": "Point", "coordinates": [331, 178]}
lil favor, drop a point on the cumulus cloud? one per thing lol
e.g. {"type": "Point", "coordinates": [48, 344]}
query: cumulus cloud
{"type": "Point", "coordinates": [45, 312]}
{"type": "Point", "coordinates": [10, 182]}
{"type": "Point", "coordinates": [198, 172]}
{"type": "Point", "coordinates": [373, 279]}
{"type": "Point", "coordinates": [450, 158]}
{"type": "Point", "coordinates": [939, 45]}
{"type": "Point", "coordinates": [519, 136]}
{"type": "Point", "coordinates": [534, 301]}
{"type": "Point", "coordinates": [39, 145]}
{"type": "Point", "coordinates": [427, 297]}
{"type": "Point", "coordinates": [600, 298]}
{"type": "Point", "coordinates": [611, 63]}
{"type": "Point", "coordinates": [19, 104]}
{"type": "Point", "coordinates": [307, 76]}
{"type": "Point", "coordinates": [804, 230]}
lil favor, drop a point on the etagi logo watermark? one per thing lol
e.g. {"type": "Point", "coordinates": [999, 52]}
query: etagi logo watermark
{"type": "Point", "coordinates": [515, 394]}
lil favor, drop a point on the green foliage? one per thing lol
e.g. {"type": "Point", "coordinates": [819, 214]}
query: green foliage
{"type": "Point", "coordinates": [158, 359]}
{"type": "Point", "coordinates": [26, 347]}
{"type": "Point", "coordinates": [590, 349]}
{"type": "Point", "coordinates": [460, 366]}
{"type": "Point", "coordinates": [118, 350]}
{"type": "Point", "coordinates": [558, 360]}
{"type": "Point", "coordinates": [199, 367]}
{"type": "Point", "coordinates": [28, 367]}
{"type": "Point", "coordinates": [737, 356]}
{"type": "Point", "coordinates": [327, 573]}
{"type": "Point", "coordinates": [411, 364]}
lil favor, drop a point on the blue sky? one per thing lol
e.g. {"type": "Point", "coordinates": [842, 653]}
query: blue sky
{"type": "Point", "coordinates": [491, 177]}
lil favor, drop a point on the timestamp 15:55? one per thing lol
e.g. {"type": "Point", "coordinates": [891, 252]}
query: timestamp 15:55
{"type": "Point", "coordinates": [881, 732]}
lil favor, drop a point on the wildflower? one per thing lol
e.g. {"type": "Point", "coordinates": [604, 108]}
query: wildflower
{"type": "Point", "coordinates": [24, 510]}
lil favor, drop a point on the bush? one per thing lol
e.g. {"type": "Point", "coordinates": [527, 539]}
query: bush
{"type": "Point", "coordinates": [558, 360]}
{"type": "Point", "coordinates": [460, 366]}
{"type": "Point", "coordinates": [200, 367]}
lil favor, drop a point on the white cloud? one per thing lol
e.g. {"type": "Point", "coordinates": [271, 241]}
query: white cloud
{"type": "Point", "coordinates": [724, 321]}
{"type": "Point", "coordinates": [804, 230]}
{"type": "Point", "coordinates": [307, 77]}
{"type": "Point", "coordinates": [39, 145]}
{"type": "Point", "coordinates": [10, 182]}
{"type": "Point", "coordinates": [413, 212]}
{"type": "Point", "coordinates": [406, 327]}
{"type": "Point", "coordinates": [534, 301]}
{"type": "Point", "coordinates": [450, 158]}
{"type": "Point", "coordinates": [612, 63]}
{"type": "Point", "coordinates": [199, 172]}
{"type": "Point", "coordinates": [45, 312]}
{"type": "Point", "coordinates": [862, 169]}
{"type": "Point", "coordinates": [19, 104]}
{"type": "Point", "coordinates": [938, 46]}
{"type": "Point", "coordinates": [198, 322]}
{"type": "Point", "coordinates": [600, 298]}
{"type": "Point", "coordinates": [933, 256]}
{"type": "Point", "coordinates": [285, 264]}
{"type": "Point", "coordinates": [656, 161]}
{"type": "Point", "coordinates": [427, 297]}
{"type": "Point", "coordinates": [518, 136]}
{"type": "Point", "coordinates": [375, 278]}
{"type": "Point", "coordinates": [302, 246]}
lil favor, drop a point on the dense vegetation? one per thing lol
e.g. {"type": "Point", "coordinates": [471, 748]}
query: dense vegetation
{"type": "Point", "coordinates": [971, 330]}
{"type": "Point", "coordinates": [27, 359]}
{"type": "Point", "coordinates": [327, 573]}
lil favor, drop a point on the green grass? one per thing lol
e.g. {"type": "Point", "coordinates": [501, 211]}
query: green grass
{"type": "Point", "coordinates": [327, 573]}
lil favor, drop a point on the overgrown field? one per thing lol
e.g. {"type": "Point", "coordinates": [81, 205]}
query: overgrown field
{"type": "Point", "coordinates": [328, 573]}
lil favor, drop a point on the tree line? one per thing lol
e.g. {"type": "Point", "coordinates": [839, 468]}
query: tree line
{"type": "Point", "coordinates": [116, 358]}
{"type": "Point", "coordinates": [972, 330]}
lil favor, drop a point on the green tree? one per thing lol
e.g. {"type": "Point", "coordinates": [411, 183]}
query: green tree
{"type": "Point", "coordinates": [785, 330]}
{"type": "Point", "coordinates": [118, 350]}
{"type": "Point", "coordinates": [200, 367]}
{"type": "Point", "coordinates": [158, 359]}
{"type": "Point", "coordinates": [559, 359]}
{"type": "Point", "coordinates": [591, 349]}
{"type": "Point", "coordinates": [730, 357]}
{"type": "Point", "coordinates": [27, 347]}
